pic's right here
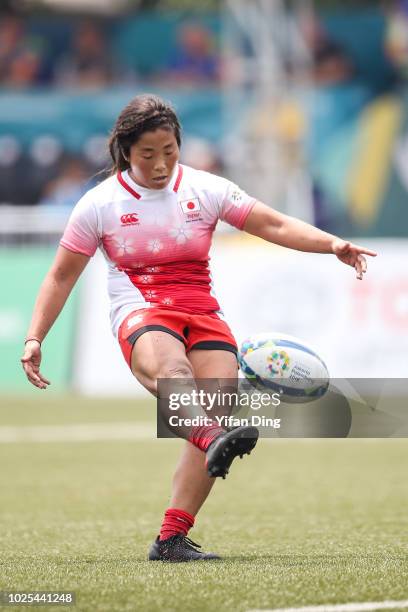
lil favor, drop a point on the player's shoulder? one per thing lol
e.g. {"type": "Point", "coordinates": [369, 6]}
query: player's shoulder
{"type": "Point", "coordinates": [96, 199]}
{"type": "Point", "coordinates": [203, 180]}
{"type": "Point", "coordinates": [105, 191]}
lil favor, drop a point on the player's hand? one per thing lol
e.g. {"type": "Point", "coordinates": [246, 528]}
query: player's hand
{"type": "Point", "coordinates": [31, 361]}
{"type": "Point", "coordinates": [352, 255]}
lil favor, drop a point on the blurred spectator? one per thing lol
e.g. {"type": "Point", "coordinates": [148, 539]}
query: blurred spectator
{"type": "Point", "coordinates": [396, 38]}
{"type": "Point", "coordinates": [69, 186]}
{"type": "Point", "coordinates": [24, 70]}
{"type": "Point", "coordinates": [331, 63]}
{"type": "Point", "coordinates": [88, 63]}
{"type": "Point", "coordinates": [194, 60]}
{"type": "Point", "coordinates": [11, 39]}
{"type": "Point", "coordinates": [23, 58]}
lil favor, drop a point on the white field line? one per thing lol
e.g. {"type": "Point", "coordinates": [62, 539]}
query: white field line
{"type": "Point", "coordinates": [350, 607]}
{"type": "Point", "coordinates": [86, 432]}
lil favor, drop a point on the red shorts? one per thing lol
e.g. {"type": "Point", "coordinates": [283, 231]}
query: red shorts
{"type": "Point", "coordinates": [195, 331]}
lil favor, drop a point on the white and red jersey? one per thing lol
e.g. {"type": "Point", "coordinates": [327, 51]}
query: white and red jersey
{"type": "Point", "coordinates": [156, 242]}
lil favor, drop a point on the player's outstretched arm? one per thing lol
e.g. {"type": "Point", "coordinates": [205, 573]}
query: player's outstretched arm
{"type": "Point", "coordinates": [51, 298]}
{"type": "Point", "coordinates": [292, 233]}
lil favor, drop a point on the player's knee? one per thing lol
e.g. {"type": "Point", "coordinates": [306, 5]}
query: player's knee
{"type": "Point", "coordinates": [172, 369]}
{"type": "Point", "coordinates": [176, 369]}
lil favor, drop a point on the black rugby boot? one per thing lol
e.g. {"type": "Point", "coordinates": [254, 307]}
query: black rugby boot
{"type": "Point", "coordinates": [223, 450]}
{"type": "Point", "coordinates": [178, 549]}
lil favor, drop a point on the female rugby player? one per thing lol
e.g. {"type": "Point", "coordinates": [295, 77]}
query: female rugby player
{"type": "Point", "coordinates": [153, 220]}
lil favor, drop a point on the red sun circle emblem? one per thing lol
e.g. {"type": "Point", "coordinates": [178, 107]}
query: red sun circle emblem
{"type": "Point", "coordinates": [191, 205]}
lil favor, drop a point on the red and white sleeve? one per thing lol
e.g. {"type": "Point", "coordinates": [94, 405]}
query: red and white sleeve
{"type": "Point", "coordinates": [235, 205]}
{"type": "Point", "coordinates": [81, 233]}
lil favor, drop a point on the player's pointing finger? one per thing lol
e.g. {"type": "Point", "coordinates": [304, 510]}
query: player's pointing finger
{"type": "Point", "coordinates": [367, 251]}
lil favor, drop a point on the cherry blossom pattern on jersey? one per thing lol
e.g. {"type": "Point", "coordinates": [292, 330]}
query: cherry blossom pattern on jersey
{"type": "Point", "coordinates": [181, 234]}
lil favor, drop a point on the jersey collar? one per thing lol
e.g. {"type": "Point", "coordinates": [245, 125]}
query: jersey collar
{"type": "Point", "coordinates": [127, 183]}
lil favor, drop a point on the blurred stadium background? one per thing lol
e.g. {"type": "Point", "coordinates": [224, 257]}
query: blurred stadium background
{"type": "Point", "coordinates": [302, 103]}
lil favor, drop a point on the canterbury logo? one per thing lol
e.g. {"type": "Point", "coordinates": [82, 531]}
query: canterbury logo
{"type": "Point", "coordinates": [129, 219]}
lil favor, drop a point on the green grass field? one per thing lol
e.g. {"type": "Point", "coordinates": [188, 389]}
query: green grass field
{"type": "Point", "coordinates": [300, 522]}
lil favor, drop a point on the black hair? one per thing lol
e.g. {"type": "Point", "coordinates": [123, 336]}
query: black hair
{"type": "Point", "coordinates": [145, 113]}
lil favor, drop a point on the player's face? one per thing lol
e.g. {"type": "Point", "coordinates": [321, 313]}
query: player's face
{"type": "Point", "coordinates": [153, 158]}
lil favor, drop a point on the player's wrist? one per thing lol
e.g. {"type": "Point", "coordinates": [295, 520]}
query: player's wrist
{"type": "Point", "coordinates": [32, 339]}
{"type": "Point", "coordinates": [335, 244]}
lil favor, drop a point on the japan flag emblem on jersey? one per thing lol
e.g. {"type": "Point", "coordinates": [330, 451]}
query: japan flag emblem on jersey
{"type": "Point", "coordinates": [190, 206]}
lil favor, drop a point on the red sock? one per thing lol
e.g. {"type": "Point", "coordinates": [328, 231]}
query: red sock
{"type": "Point", "coordinates": [202, 436]}
{"type": "Point", "coordinates": [175, 521]}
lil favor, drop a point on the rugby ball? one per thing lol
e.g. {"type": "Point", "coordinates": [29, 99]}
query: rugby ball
{"type": "Point", "coordinates": [285, 365]}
